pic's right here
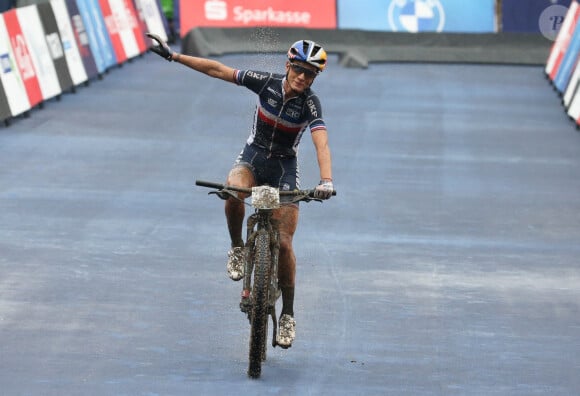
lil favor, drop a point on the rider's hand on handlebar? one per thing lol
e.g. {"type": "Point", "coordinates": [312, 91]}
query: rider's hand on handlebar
{"type": "Point", "coordinates": [162, 49]}
{"type": "Point", "coordinates": [324, 189]}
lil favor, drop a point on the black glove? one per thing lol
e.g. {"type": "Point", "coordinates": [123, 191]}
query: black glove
{"type": "Point", "coordinates": [162, 49]}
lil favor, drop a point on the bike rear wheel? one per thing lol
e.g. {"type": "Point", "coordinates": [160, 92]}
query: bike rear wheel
{"type": "Point", "coordinates": [259, 318]}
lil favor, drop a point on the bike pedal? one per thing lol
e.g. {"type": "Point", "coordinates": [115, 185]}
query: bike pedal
{"type": "Point", "coordinates": [245, 306]}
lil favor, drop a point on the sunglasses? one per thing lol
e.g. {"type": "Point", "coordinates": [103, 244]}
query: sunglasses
{"type": "Point", "coordinates": [300, 69]}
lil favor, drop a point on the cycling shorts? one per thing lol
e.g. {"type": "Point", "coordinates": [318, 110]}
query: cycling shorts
{"type": "Point", "coordinates": [280, 172]}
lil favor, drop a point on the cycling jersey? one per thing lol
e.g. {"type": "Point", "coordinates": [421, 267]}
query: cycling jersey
{"type": "Point", "coordinates": [278, 122]}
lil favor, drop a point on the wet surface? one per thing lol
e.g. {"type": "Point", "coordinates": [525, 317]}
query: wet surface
{"type": "Point", "coordinates": [447, 264]}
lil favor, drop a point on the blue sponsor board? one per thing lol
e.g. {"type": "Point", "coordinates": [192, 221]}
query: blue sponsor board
{"type": "Point", "coordinates": [568, 62]}
{"type": "Point", "coordinates": [417, 15]}
{"type": "Point", "coordinates": [526, 16]}
{"type": "Point", "coordinates": [99, 39]}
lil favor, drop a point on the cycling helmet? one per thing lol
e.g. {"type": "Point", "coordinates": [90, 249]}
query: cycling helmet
{"type": "Point", "coordinates": [309, 52]}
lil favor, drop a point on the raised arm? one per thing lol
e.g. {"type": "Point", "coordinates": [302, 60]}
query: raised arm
{"type": "Point", "coordinates": [209, 67]}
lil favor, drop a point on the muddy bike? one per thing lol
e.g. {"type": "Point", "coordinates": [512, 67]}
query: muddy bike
{"type": "Point", "coordinates": [259, 295]}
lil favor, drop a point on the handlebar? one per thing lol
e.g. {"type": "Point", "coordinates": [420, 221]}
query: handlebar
{"type": "Point", "coordinates": [302, 194]}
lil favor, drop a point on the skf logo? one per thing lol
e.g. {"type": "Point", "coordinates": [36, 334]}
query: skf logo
{"type": "Point", "coordinates": [256, 75]}
{"type": "Point", "coordinates": [416, 16]}
{"type": "Point", "coordinates": [216, 10]}
{"type": "Point", "coordinates": [312, 107]}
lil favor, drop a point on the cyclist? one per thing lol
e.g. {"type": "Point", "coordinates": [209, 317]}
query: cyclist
{"type": "Point", "coordinates": [286, 107]}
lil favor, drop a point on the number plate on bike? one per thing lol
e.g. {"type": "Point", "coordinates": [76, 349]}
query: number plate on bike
{"type": "Point", "coordinates": [265, 197]}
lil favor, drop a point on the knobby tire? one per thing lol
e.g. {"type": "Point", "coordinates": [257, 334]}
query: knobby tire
{"type": "Point", "coordinates": [259, 321]}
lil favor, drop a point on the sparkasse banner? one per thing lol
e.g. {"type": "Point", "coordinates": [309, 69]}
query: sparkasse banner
{"type": "Point", "coordinates": [320, 14]}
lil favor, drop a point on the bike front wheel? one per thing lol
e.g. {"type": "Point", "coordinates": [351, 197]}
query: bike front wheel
{"type": "Point", "coordinates": [259, 317]}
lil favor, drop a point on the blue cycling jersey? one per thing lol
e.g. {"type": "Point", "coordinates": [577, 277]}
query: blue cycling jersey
{"type": "Point", "coordinates": [279, 122]}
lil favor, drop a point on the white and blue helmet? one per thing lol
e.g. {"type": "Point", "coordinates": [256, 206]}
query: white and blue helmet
{"type": "Point", "coordinates": [310, 52]}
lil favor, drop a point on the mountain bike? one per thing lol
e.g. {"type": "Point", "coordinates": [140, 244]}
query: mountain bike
{"type": "Point", "coordinates": [259, 295]}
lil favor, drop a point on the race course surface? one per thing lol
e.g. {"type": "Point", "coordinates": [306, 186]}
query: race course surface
{"type": "Point", "coordinates": [448, 263]}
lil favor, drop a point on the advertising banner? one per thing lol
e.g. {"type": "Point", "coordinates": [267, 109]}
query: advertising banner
{"type": "Point", "coordinates": [39, 52]}
{"type": "Point", "coordinates": [124, 23]}
{"type": "Point", "coordinates": [568, 61]}
{"type": "Point", "coordinates": [572, 87]}
{"type": "Point", "coordinates": [137, 27]}
{"type": "Point", "coordinates": [415, 16]}
{"type": "Point", "coordinates": [13, 85]}
{"type": "Point", "coordinates": [98, 35]}
{"type": "Point", "coordinates": [527, 16]}
{"type": "Point", "coordinates": [71, 52]}
{"type": "Point", "coordinates": [141, 26]}
{"type": "Point", "coordinates": [562, 41]}
{"type": "Point", "coordinates": [82, 39]}
{"type": "Point", "coordinates": [151, 14]}
{"type": "Point", "coordinates": [4, 106]}
{"type": "Point", "coordinates": [320, 14]}
{"type": "Point", "coordinates": [54, 44]}
{"type": "Point", "coordinates": [574, 107]}
{"type": "Point", "coordinates": [113, 23]}
{"type": "Point", "coordinates": [23, 58]}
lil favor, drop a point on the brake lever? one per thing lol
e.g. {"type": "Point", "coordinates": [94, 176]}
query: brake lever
{"type": "Point", "coordinates": [224, 194]}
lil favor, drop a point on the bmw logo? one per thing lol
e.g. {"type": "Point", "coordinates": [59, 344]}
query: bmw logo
{"type": "Point", "coordinates": [416, 16]}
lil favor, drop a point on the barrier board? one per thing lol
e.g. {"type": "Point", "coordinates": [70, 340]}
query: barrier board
{"type": "Point", "coordinates": [417, 15]}
{"type": "Point", "coordinates": [526, 16]}
{"type": "Point", "coordinates": [141, 29]}
{"type": "Point", "coordinates": [98, 35]}
{"type": "Point", "coordinates": [124, 25]}
{"type": "Point", "coordinates": [23, 58]}
{"type": "Point", "coordinates": [247, 13]}
{"type": "Point", "coordinates": [111, 22]}
{"type": "Point", "coordinates": [5, 113]}
{"type": "Point", "coordinates": [562, 41]}
{"type": "Point", "coordinates": [136, 26]}
{"type": "Point", "coordinates": [81, 39]}
{"type": "Point", "coordinates": [13, 85]}
{"type": "Point", "coordinates": [54, 44]}
{"type": "Point", "coordinates": [39, 52]}
{"type": "Point", "coordinates": [72, 55]}
{"type": "Point", "coordinates": [572, 87]}
{"type": "Point", "coordinates": [573, 110]}
{"type": "Point", "coordinates": [151, 14]}
{"type": "Point", "coordinates": [569, 60]}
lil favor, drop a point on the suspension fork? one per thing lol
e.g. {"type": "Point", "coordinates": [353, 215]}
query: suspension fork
{"type": "Point", "coordinates": [257, 220]}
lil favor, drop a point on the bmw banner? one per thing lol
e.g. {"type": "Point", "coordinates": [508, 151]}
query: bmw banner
{"type": "Point", "coordinates": [415, 16]}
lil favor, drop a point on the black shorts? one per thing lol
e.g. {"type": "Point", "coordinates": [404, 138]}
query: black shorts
{"type": "Point", "coordinates": [280, 172]}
